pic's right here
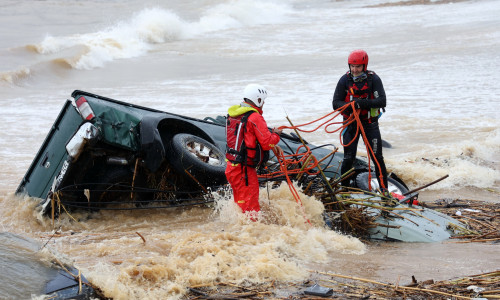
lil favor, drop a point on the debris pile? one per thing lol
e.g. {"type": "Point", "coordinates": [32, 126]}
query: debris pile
{"type": "Point", "coordinates": [480, 285]}
{"type": "Point", "coordinates": [482, 219]}
{"type": "Point", "coordinates": [335, 286]}
{"type": "Point", "coordinates": [483, 223]}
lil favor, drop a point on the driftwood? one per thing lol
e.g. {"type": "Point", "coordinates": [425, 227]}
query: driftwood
{"type": "Point", "coordinates": [486, 285]}
{"type": "Point", "coordinates": [425, 185]}
{"type": "Point", "coordinates": [143, 239]}
{"type": "Point", "coordinates": [482, 218]}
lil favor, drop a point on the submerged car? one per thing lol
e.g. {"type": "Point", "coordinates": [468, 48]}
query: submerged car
{"type": "Point", "coordinates": [103, 153]}
{"type": "Point", "coordinates": [29, 273]}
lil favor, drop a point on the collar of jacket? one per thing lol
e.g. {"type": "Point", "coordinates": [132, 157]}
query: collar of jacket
{"type": "Point", "coordinates": [242, 108]}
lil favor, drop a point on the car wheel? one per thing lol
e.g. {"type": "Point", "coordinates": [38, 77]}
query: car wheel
{"type": "Point", "coordinates": [203, 160]}
{"type": "Point", "coordinates": [393, 185]}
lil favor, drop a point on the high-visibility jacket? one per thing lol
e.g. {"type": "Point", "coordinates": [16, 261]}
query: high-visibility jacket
{"type": "Point", "coordinates": [248, 139]}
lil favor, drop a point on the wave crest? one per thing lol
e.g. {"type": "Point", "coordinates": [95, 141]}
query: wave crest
{"type": "Point", "coordinates": [12, 77]}
{"type": "Point", "coordinates": [136, 36]}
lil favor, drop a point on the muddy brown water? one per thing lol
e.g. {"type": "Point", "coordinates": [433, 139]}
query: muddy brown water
{"type": "Point", "coordinates": [200, 246]}
{"type": "Point", "coordinates": [194, 58]}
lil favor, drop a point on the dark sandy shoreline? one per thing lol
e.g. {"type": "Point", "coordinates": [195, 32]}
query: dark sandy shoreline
{"type": "Point", "coordinates": [466, 193]}
{"type": "Point", "coordinates": [416, 2]}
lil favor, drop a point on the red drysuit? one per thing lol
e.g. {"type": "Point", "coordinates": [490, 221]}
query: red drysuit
{"type": "Point", "coordinates": [247, 196]}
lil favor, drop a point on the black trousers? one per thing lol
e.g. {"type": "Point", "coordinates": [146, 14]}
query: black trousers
{"type": "Point", "coordinates": [373, 136]}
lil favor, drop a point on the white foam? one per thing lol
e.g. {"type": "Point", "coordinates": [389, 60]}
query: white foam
{"type": "Point", "coordinates": [471, 162]}
{"type": "Point", "coordinates": [136, 36]}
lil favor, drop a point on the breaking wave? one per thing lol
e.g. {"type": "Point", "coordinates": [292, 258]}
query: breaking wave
{"type": "Point", "coordinates": [12, 77]}
{"type": "Point", "coordinates": [138, 35]}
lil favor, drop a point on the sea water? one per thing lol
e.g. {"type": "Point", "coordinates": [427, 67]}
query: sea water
{"type": "Point", "coordinates": [437, 62]}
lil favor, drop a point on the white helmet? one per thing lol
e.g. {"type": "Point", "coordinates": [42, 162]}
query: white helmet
{"type": "Point", "coordinates": [256, 93]}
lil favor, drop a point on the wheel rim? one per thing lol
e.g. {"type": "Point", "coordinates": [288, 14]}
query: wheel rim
{"type": "Point", "coordinates": [203, 153]}
{"type": "Point", "coordinates": [391, 187]}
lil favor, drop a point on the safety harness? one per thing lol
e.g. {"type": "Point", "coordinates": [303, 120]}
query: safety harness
{"type": "Point", "coordinates": [236, 148]}
{"type": "Point", "coordinates": [363, 92]}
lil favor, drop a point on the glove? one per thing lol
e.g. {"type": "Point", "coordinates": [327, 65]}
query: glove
{"type": "Point", "coordinates": [347, 111]}
{"type": "Point", "coordinates": [362, 103]}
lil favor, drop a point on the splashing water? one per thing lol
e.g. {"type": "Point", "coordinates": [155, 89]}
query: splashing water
{"type": "Point", "coordinates": [197, 246]}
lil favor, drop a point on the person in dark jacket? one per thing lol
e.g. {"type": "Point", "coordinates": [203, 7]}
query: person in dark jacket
{"type": "Point", "coordinates": [365, 88]}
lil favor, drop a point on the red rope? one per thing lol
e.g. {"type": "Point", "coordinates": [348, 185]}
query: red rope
{"type": "Point", "coordinates": [354, 117]}
{"type": "Point", "coordinates": [309, 161]}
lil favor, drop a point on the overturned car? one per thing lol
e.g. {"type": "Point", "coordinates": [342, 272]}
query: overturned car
{"type": "Point", "coordinates": [103, 153]}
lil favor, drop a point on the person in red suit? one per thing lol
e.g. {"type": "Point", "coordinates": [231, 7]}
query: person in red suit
{"type": "Point", "coordinates": [248, 143]}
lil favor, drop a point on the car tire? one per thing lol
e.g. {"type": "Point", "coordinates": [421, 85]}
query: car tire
{"type": "Point", "coordinates": [202, 159]}
{"type": "Point", "coordinates": [361, 182]}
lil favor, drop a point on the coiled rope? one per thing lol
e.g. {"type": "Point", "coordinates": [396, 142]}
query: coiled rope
{"type": "Point", "coordinates": [305, 158]}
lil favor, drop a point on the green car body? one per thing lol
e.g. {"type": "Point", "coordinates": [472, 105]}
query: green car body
{"type": "Point", "coordinates": [102, 151]}
{"type": "Point", "coordinates": [118, 134]}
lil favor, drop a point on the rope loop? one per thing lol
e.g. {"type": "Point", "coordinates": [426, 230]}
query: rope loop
{"type": "Point", "coordinates": [303, 161]}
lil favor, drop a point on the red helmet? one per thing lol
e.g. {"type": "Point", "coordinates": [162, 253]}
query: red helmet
{"type": "Point", "coordinates": [358, 57]}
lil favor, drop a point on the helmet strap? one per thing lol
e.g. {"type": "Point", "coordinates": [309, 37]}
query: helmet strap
{"type": "Point", "coordinates": [249, 102]}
